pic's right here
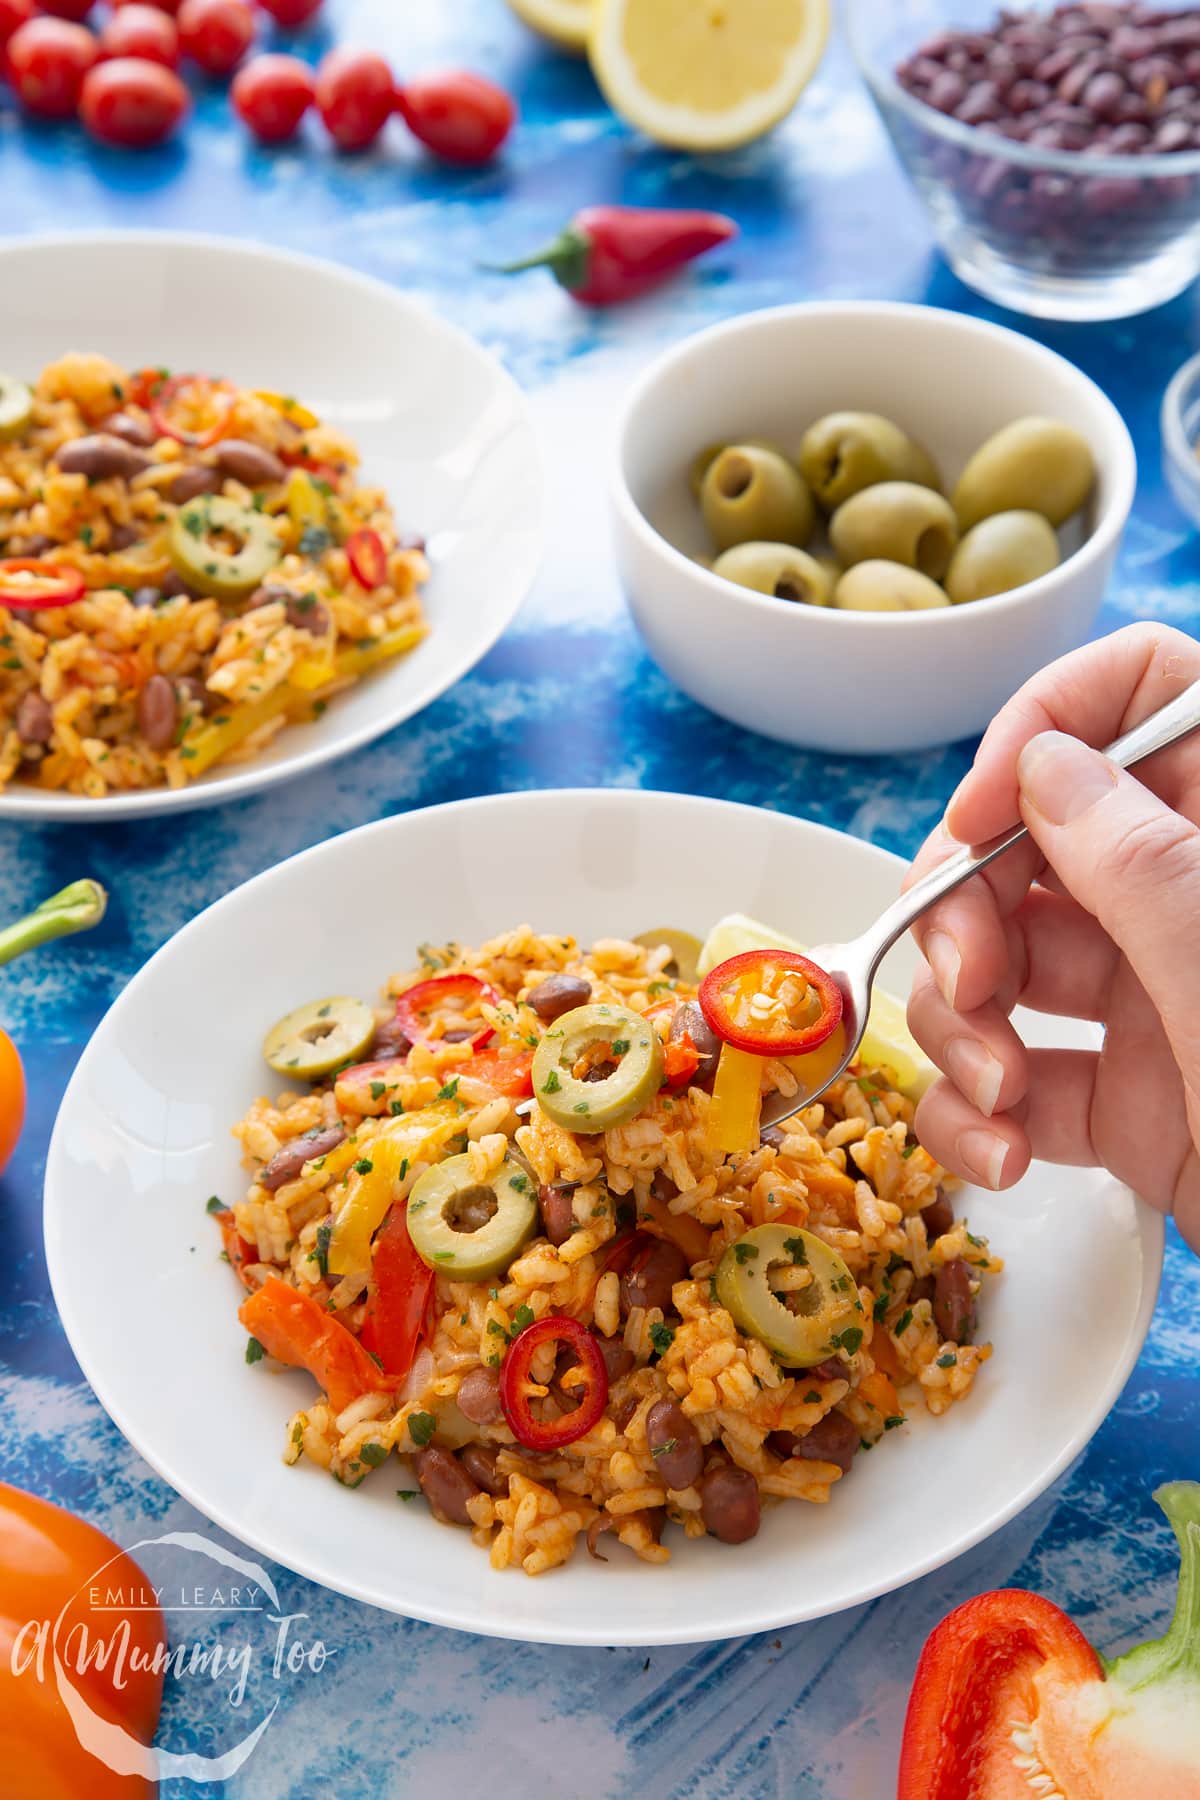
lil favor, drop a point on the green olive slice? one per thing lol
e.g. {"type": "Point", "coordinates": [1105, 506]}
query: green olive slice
{"type": "Point", "coordinates": [811, 1323]}
{"type": "Point", "coordinates": [16, 406]}
{"type": "Point", "coordinates": [200, 552]}
{"type": "Point", "coordinates": [685, 951]}
{"type": "Point", "coordinates": [469, 1229]}
{"type": "Point", "coordinates": [612, 1038]}
{"type": "Point", "coordinates": [319, 1037]}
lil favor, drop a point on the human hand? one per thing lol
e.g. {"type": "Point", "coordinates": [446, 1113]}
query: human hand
{"type": "Point", "coordinates": [1096, 917]}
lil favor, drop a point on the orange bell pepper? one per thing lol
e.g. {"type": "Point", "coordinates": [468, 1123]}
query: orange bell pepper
{"type": "Point", "coordinates": [48, 1561]}
{"type": "Point", "coordinates": [294, 1329]}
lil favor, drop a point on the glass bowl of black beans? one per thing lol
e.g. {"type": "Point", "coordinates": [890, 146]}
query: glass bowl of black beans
{"type": "Point", "coordinates": [1056, 148]}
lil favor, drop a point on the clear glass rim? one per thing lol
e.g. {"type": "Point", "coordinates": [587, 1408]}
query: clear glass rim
{"type": "Point", "coordinates": [884, 86]}
{"type": "Point", "coordinates": [1180, 447]}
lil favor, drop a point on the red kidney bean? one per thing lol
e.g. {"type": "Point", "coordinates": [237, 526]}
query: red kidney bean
{"type": "Point", "coordinates": [122, 537]}
{"type": "Point", "coordinates": [174, 585]}
{"type": "Point", "coordinates": [947, 91]}
{"type": "Point", "coordinates": [135, 431]}
{"type": "Point", "coordinates": [618, 1360]}
{"type": "Point", "coordinates": [390, 1041]}
{"type": "Point", "coordinates": [102, 457]}
{"type": "Point", "coordinates": [833, 1439]}
{"type": "Point", "coordinates": [954, 1303]}
{"type": "Point", "coordinates": [35, 720]}
{"type": "Point", "coordinates": [192, 694]}
{"type": "Point", "coordinates": [479, 1460]}
{"type": "Point", "coordinates": [288, 1161]}
{"type": "Point", "coordinates": [248, 463]}
{"type": "Point", "coordinates": [558, 994]}
{"type": "Point", "coordinates": [939, 1217]}
{"type": "Point", "coordinates": [478, 1396]}
{"type": "Point", "coordinates": [833, 1369]}
{"type": "Point", "coordinates": [304, 612]}
{"type": "Point", "coordinates": [557, 1208]}
{"type": "Point", "coordinates": [189, 484]}
{"type": "Point", "coordinates": [730, 1504]}
{"type": "Point", "coordinates": [157, 712]}
{"type": "Point", "coordinates": [446, 1485]}
{"type": "Point", "coordinates": [674, 1444]}
{"type": "Point", "coordinates": [1103, 95]}
{"type": "Point", "coordinates": [648, 1282]}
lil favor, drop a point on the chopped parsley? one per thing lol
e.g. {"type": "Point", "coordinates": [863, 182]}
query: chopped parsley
{"type": "Point", "coordinates": [363, 1166]}
{"type": "Point", "coordinates": [881, 1305]}
{"type": "Point", "coordinates": [665, 1449]}
{"type": "Point", "coordinates": [848, 1340]}
{"type": "Point", "coordinates": [662, 1337]}
{"type": "Point", "coordinates": [520, 1182]}
{"type": "Point", "coordinates": [907, 1151]}
{"type": "Point", "coordinates": [620, 1046]}
{"type": "Point", "coordinates": [972, 1239]}
{"type": "Point", "coordinates": [86, 535]}
{"type": "Point", "coordinates": [812, 1398]}
{"type": "Point", "coordinates": [378, 1090]}
{"type": "Point", "coordinates": [254, 1350]}
{"type": "Point", "coordinates": [891, 1424]}
{"type": "Point", "coordinates": [552, 1084]}
{"type": "Point", "coordinates": [315, 540]}
{"type": "Point", "coordinates": [421, 1427]}
{"type": "Point", "coordinates": [450, 1091]}
{"type": "Point", "coordinates": [373, 1455]}
{"type": "Point", "coordinates": [324, 1233]}
{"type": "Point", "coordinates": [948, 1361]}
{"type": "Point", "coordinates": [795, 1248]}
{"type": "Point", "coordinates": [407, 1493]}
{"type": "Point", "coordinates": [521, 1318]}
{"type": "Point", "coordinates": [904, 1321]}
{"type": "Point", "coordinates": [396, 1108]}
{"type": "Point", "coordinates": [214, 1204]}
{"type": "Point", "coordinates": [743, 1251]}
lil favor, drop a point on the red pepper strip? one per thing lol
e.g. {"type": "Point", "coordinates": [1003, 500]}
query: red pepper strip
{"type": "Point", "coordinates": [394, 1324]}
{"type": "Point", "coordinates": [237, 1248]}
{"type": "Point", "coordinates": [29, 585]}
{"type": "Point", "coordinates": [515, 1381]}
{"type": "Point", "coordinates": [975, 1684]}
{"type": "Point", "coordinates": [504, 1074]}
{"type": "Point", "coordinates": [681, 1059]}
{"type": "Point", "coordinates": [367, 558]}
{"type": "Point", "coordinates": [144, 385]}
{"type": "Point", "coordinates": [608, 254]}
{"type": "Point", "coordinates": [727, 990]}
{"type": "Point", "coordinates": [295, 1329]}
{"type": "Point", "coordinates": [216, 394]}
{"type": "Point", "coordinates": [459, 994]}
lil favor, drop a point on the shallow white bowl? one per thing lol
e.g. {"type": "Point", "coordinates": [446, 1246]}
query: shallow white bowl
{"type": "Point", "coordinates": [439, 423]}
{"type": "Point", "coordinates": [144, 1136]}
{"type": "Point", "coordinates": [843, 681]}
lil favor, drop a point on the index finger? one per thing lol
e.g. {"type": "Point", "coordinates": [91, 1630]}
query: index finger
{"type": "Point", "coordinates": [1095, 694]}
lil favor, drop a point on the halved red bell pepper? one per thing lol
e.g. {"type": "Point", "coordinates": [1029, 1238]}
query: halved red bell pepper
{"type": "Point", "coordinates": [771, 1003]}
{"type": "Point", "coordinates": [293, 1328]}
{"type": "Point", "coordinates": [206, 402]}
{"type": "Point", "coordinates": [27, 584]}
{"type": "Point", "coordinates": [401, 1282]}
{"type": "Point", "coordinates": [457, 998]}
{"type": "Point", "coordinates": [518, 1390]}
{"type": "Point", "coordinates": [1011, 1700]}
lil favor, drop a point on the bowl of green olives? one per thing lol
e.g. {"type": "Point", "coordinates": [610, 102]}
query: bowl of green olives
{"type": "Point", "coordinates": [859, 527]}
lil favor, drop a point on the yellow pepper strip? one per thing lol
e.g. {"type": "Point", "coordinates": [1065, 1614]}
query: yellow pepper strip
{"type": "Point", "coordinates": [412, 1138]}
{"type": "Point", "coordinates": [321, 671]}
{"type": "Point", "coordinates": [736, 1103]}
{"type": "Point", "coordinates": [202, 748]}
{"type": "Point", "coordinates": [288, 408]}
{"type": "Point", "coordinates": [813, 1070]}
{"type": "Point", "coordinates": [305, 501]}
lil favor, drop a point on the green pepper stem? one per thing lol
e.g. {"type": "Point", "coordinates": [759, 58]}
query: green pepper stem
{"type": "Point", "coordinates": [1176, 1655]}
{"type": "Point", "coordinates": [76, 908]}
{"type": "Point", "coordinates": [566, 258]}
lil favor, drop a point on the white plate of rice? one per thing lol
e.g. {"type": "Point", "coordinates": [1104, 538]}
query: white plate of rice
{"type": "Point", "coordinates": [439, 425]}
{"type": "Point", "coordinates": [143, 1138]}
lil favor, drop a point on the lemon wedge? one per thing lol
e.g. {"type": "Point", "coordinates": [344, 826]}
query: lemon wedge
{"type": "Point", "coordinates": [565, 21]}
{"type": "Point", "coordinates": [706, 74]}
{"type": "Point", "coordinates": [887, 1038]}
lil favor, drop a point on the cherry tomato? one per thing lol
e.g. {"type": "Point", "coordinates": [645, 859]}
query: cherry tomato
{"type": "Point", "coordinates": [76, 10]}
{"type": "Point", "coordinates": [12, 1098]}
{"type": "Point", "coordinates": [139, 30]}
{"type": "Point", "coordinates": [14, 14]}
{"type": "Point", "coordinates": [47, 61]}
{"type": "Point", "coordinates": [355, 97]}
{"type": "Point", "coordinates": [216, 33]}
{"type": "Point", "coordinates": [291, 12]}
{"type": "Point", "coordinates": [272, 94]}
{"type": "Point", "coordinates": [458, 116]}
{"type": "Point", "coordinates": [132, 102]}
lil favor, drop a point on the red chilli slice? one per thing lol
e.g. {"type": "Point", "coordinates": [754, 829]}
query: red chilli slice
{"type": "Point", "coordinates": [516, 1383]}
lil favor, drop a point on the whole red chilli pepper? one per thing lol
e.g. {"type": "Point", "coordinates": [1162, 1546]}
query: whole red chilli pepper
{"type": "Point", "coordinates": [609, 254]}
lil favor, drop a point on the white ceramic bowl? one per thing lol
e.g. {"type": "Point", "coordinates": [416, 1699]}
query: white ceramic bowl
{"type": "Point", "coordinates": [440, 425]}
{"type": "Point", "coordinates": [843, 681]}
{"type": "Point", "coordinates": [144, 1136]}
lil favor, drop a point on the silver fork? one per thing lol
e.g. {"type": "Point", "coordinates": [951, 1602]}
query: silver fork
{"type": "Point", "coordinates": [855, 965]}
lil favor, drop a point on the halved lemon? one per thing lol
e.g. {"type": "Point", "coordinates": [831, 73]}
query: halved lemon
{"type": "Point", "coordinates": [706, 74]}
{"type": "Point", "coordinates": [887, 1038]}
{"type": "Point", "coordinates": [566, 21]}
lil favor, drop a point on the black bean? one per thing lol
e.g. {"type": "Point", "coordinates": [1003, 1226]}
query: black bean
{"type": "Point", "coordinates": [288, 1161]}
{"type": "Point", "coordinates": [688, 1021]}
{"type": "Point", "coordinates": [559, 994]}
{"type": "Point", "coordinates": [557, 1208]}
{"type": "Point", "coordinates": [157, 712]}
{"type": "Point", "coordinates": [674, 1444]}
{"type": "Point", "coordinates": [479, 1460]}
{"type": "Point", "coordinates": [102, 457]}
{"type": "Point", "coordinates": [446, 1485]}
{"type": "Point", "coordinates": [478, 1396]}
{"type": "Point", "coordinates": [248, 463]}
{"type": "Point", "coordinates": [954, 1303]}
{"type": "Point", "coordinates": [35, 719]}
{"type": "Point", "coordinates": [730, 1505]}
{"type": "Point", "coordinates": [939, 1217]}
{"type": "Point", "coordinates": [648, 1282]}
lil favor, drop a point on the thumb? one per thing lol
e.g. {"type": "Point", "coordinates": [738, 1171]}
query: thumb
{"type": "Point", "coordinates": [1128, 859]}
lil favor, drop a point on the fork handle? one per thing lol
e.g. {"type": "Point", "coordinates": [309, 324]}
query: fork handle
{"type": "Point", "coordinates": [1176, 720]}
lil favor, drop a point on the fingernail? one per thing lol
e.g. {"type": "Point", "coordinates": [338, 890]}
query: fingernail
{"type": "Point", "coordinates": [975, 1072]}
{"type": "Point", "coordinates": [982, 1154]}
{"type": "Point", "coordinates": [941, 953]}
{"type": "Point", "coordinates": [1062, 778]}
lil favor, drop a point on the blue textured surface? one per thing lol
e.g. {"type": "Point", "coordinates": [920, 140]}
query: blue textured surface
{"type": "Point", "coordinates": [815, 1712]}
